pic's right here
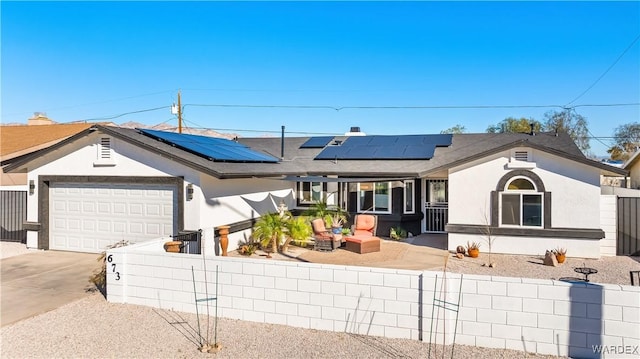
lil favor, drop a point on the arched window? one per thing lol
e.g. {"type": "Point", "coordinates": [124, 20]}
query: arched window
{"type": "Point", "coordinates": [521, 204]}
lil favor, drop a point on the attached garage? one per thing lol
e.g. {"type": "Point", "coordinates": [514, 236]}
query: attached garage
{"type": "Point", "coordinates": [88, 213]}
{"type": "Point", "coordinates": [87, 217]}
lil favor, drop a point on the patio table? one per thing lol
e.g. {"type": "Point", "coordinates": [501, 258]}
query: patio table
{"type": "Point", "coordinates": [586, 271]}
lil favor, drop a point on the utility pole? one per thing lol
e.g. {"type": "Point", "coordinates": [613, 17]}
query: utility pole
{"type": "Point", "coordinates": [179, 114]}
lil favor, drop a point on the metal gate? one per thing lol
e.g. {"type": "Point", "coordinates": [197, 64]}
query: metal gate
{"type": "Point", "coordinates": [14, 213]}
{"type": "Point", "coordinates": [436, 208]}
{"type": "Point", "coordinates": [436, 216]}
{"type": "Point", "coordinates": [191, 241]}
{"type": "Point", "coordinates": [628, 228]}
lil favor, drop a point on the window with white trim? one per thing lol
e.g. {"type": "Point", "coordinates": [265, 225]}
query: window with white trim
{"type": "Point", "coordinates": [310, 192]}
{"type": "Point", "coordinates": [409, 196]}
{"type": "Point", "coordinates": [521, 204]}
{"type": "Point", "coordinates": [374, 197]}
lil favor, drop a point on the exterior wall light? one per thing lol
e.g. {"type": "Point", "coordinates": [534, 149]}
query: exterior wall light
{"type": "Point", "coordinates": [189, 192]}
{"type": "Point", "coordinates": [32, 187]}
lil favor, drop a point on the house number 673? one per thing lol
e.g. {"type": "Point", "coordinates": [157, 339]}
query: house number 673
{"type": "Point", "coordinates": [113, 266]}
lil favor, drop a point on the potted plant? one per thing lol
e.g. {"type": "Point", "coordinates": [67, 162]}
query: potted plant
{"type": "Point", "coordinates": [334, 217]}
{"type": "Point", "coordinates": [561, 254]}
{"type": "Point", "coordinates": [337, 219]}
{"type": "Point", "coordinates": [473, 249]}
{"type": "Point", "coordinates": [397, 233]}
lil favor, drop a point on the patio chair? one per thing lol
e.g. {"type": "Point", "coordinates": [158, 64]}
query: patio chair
{"type": "Point", "coordinates": [365, 225]}
{"type": "Point", "coordinates": [635, 277]}
{"type": "Point", "coordinates": [322, 237]}
{"type": "Point", "coordinates": [363, 240]}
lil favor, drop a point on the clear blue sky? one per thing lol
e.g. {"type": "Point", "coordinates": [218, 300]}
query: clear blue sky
{"type": "Point", "coordinates": [92, 60]}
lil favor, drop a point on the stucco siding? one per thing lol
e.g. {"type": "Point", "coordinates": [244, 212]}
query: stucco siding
{"type": "Point", "coordinates": [214, 202]}
{"type": "Point", "coordinates": [575, 190]}
{"type": "Point", "coordinates": [634, 173]}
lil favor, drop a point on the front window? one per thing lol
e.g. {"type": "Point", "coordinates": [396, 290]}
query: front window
{"type": "Point", "coordinates": [310, 192]}
{"type": "Point", "coordinates": [520, 204]}
{"type": "Point", "coordinates": [409, 196]}
{"type": "Point", "coordinates": [374, 197]}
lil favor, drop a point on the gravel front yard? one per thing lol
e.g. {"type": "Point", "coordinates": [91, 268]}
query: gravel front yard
{"type": "Point", "coordinates": [611, 270]}
{"type": "Point", "coordinates": [93, 328]}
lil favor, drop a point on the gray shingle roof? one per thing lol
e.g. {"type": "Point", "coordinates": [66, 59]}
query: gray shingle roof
{"type": "Point", "coordinates": [300, 161]}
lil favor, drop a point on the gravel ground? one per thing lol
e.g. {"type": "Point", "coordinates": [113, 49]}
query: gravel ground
{"type": "Point", "coordinates": [612, 270]}
{"type": "Point", "coordinates": [93, 328]}
{"type": "Point", "coordinates": [10, 249]}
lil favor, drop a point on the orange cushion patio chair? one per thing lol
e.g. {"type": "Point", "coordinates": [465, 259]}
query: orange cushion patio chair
{"type": "Point", "coordinates": [365, 225]}
{"type": "Point", "coordinates": [322, 237]}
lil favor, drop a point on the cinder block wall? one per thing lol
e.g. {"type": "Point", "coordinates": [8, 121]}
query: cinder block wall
{"type": "Point", "coordinates": [541, 316]}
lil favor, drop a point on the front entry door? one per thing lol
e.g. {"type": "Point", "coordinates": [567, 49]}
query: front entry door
{"type": "Point", "coordinates": [436, 205]}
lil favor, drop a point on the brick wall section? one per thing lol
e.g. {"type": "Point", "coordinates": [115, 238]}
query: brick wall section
{"type": "Point", "coordinates": [542, 316]}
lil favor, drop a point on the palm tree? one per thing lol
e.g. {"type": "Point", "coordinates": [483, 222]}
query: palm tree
{"type": "Point", "coordinates": [270, 229]}
{"type": "Point", "coordinates": [299, 229]}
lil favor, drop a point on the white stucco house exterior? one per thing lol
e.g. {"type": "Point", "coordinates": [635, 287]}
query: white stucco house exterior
{"type": "Point", "coordinates": [532, 192]}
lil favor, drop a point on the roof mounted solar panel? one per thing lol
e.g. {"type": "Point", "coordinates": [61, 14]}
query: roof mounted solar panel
{"type": "Point", "coordinates": [317, 142]}
{"type": "Point", "coordinates": [407, 147]}
{"type": "Point", "coordinates": [213, 148]}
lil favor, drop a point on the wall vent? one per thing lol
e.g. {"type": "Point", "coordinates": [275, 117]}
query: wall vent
{"type": "Point", "coordinates": [105, 148]}
{"type": "Point", "coordinates": [521, 156]}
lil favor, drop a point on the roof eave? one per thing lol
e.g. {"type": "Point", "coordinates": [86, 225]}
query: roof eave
{"type": "Point", "coordinates": [526, 143]}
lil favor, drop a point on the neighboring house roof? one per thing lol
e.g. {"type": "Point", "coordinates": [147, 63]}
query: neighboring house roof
{"type": "Point", "coordinates": [16, 141]}
{"type": "Point", "coordinates": [301, 161]}
{"type": "Point", "coordinates": [632, 161]}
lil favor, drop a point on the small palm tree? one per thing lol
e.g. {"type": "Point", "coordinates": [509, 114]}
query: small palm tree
{"type": "Point", "coordinates": [331, 214]}
{"type": "Point", "coordinates": [270, 229]}
{"type": "Point", "coordinates": [298, 229]}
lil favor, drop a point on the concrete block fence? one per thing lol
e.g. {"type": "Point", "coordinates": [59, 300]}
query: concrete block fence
{"type": "Point", "coordinates": [533, 315]}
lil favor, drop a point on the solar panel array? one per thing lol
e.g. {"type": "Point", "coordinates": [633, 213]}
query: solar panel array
{"type": "Point", "coordinates": [406, 147]}
{"type": "Point", "coordinates": [317, 142]}
{"type": "Point", "coordinates": [213, 148]}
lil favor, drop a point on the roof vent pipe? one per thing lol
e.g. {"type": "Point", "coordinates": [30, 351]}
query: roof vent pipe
{"type": "Point", "coordinates": [282, 144]}
{"type": "Point", "coordinates": [355, 131]}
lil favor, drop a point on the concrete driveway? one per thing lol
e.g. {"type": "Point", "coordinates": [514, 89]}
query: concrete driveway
{"type": "Point", "coordinates": [38, 282]}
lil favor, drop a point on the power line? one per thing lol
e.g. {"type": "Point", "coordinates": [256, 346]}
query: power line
{"type": "Point", "coordinates": [405, 107]}
{"type": "Point", "coordinates": [366, 107]}
{"type": "Point", "coordinates": [607, 70]}
{"type": "Point", "coordinates": [127, 113]}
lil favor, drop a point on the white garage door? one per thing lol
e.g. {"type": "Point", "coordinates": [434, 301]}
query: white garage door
{"type": "Point", "coordinates": [86, 217]}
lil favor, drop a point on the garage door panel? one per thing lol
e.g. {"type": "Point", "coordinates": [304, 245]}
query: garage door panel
{"type": "Point", "coordinates": [135, 209]}
{"type": "Point", "coordinates": [88, 207]}
{"type": "Point", "coordinates": [119, 227]}
{"type": "Point", "coordinates": [154, 228]}
{"type": "Point", "coordinates": [74, 206]}
{"type": "Point", "coordinates": [89, 217]}
{"type": "Point", "coordinates": [89, 225]}
{"type": "Point", "coordinates": [104, 207]}
{"type": "Point", "coordinates": [153, 209]}
{"type": "Point", "coordinates": [103, 226]}
{"type": "Point", "coordinates": [73, 224]}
